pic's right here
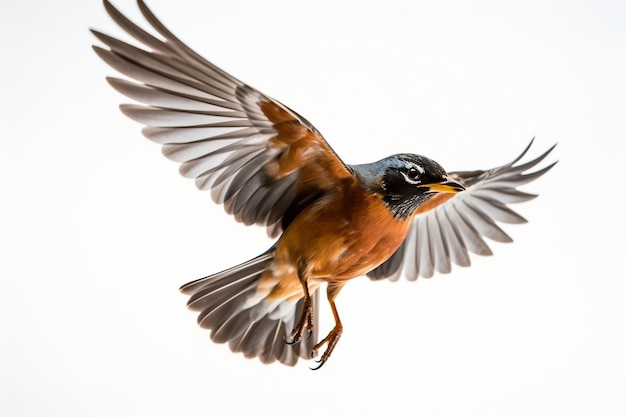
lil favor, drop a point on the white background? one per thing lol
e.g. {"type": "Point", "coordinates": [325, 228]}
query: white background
{"type": "Point", "coordinates": [97, 230]}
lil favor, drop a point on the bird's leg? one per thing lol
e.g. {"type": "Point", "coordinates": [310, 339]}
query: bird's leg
{"type": "Point", "coordinates": [335, 334]}
{"type": "Point", "coordinates": [306, 316]}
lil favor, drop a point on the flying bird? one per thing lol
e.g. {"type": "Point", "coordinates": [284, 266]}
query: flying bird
{"type": "Point", "coordinates": [403, 215]}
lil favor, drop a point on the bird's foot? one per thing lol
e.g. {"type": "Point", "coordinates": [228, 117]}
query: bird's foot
{"type": "Point", "coordinates": [331, 341]}
{"type": "Point", "coordinates": [304, 323]}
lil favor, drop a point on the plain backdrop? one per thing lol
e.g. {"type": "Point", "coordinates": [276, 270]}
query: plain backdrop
{"type": "Point", "coordinates": [98, 230]}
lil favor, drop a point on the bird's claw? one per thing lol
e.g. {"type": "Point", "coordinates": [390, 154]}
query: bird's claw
{"type": "Point", "coordinates": [331, 341]}
{"type": "Point", "coordinates": [295, 338]}
{"type": "Point", "coordinates": [315, 368]}
{"type": "Point", "coordinates": [305, 322]}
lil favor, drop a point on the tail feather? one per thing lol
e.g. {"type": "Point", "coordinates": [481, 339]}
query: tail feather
{"type": "Point", "coordinates": [229, 306]}
{"type": "Point", "coordinates": [222, 301]}
{"type": "Point", "coordinates": [230, 275]}
{"type": "Point", "coordinates": [234, 325]}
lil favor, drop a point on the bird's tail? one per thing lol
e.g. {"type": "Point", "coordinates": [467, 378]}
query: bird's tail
{"type": "Point", "coordinates": [232, 309]}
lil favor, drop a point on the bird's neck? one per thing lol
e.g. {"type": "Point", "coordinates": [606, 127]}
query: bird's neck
{"type": "Point", "coordinates": [404, 206]}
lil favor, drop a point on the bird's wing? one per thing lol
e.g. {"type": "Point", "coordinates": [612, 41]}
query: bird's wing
{"type": "Point", "coordinates": [449, 226]}
{"type": "Point", "coordinates": [259, 158]}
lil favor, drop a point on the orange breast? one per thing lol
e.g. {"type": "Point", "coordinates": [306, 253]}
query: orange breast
{"type": "Point", "coordinates": [343, 236]}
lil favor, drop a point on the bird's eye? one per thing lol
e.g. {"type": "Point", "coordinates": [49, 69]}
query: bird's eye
{"type": "Point", "coordinates": [413, 174]}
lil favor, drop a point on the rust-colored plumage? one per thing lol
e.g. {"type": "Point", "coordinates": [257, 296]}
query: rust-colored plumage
{"type": "Point", "coordinates": [269, 166]}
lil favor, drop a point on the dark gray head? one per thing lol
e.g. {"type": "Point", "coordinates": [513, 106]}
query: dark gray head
{"type": "Point", "coordinates": [405, 181]}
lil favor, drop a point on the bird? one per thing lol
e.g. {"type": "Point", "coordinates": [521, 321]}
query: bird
{"type": "Point", "coordinates": [331, 222]}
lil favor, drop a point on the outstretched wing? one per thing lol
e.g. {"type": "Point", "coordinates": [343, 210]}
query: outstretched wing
{"type": "Point", "coordinates": [449, 226]}
{"type": "Point", "coordinates": [259, 158]}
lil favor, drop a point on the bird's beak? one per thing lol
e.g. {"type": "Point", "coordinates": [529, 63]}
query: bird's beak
{"type": "Point", "coordinates": [446, 186]}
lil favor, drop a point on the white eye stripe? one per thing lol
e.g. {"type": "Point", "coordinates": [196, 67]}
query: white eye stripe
{"type": "Point", "coordinates": [410, 180]}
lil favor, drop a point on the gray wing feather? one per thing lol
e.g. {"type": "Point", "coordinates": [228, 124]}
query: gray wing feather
{"type": "Point", "coordinates": [447, 234]}
{"type": "Point", "coordinates": [205, 119]}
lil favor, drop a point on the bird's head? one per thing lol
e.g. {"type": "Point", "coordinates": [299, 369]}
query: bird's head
{"type": "Point", "coordinates": [405, 181]}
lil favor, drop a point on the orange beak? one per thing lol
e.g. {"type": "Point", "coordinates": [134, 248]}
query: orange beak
{"type": "Point", "coordinates": [446, 186]}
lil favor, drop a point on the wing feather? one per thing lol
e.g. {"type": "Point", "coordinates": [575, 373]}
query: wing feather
{"type": "Point", "coordinates": [254, 154]}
